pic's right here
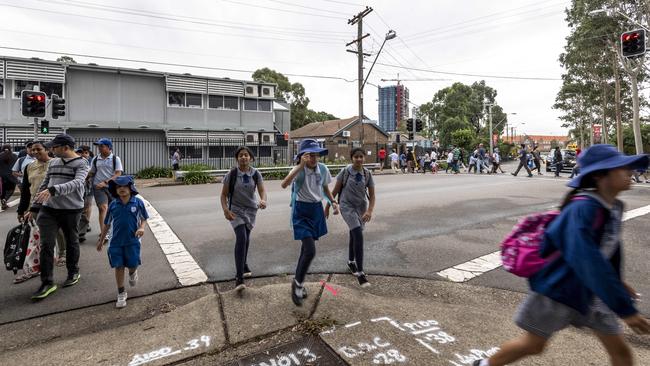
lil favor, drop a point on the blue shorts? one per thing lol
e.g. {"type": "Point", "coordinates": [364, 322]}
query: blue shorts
{"type": "Point", "coordinates": [124, 256]}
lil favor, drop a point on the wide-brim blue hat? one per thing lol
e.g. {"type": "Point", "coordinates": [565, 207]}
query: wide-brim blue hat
{"type": "Point", "coordinates": [310, 146]}
{"type": "Point", "coordinates": [606, 157]}
{"type": "Point", "coordinates": [122, 180]}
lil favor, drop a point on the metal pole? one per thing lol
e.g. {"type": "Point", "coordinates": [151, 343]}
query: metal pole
{"type": "Point", "coordinates": [490, 119]}
{"type": "Point", "coordinates": [360, 70]}
{"type": "Point", "coordinates": [35, 128]}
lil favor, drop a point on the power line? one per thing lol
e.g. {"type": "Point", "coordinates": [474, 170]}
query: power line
{"type": "Point", "coordinates": [247, 25]}
{"type": "Point", "coordinates": [474, 75]}
{"type": "Point", "coordinates": [172, 64]}
{"type": "Point", "coordinates": [343, 2]}
{"type": "Point", "coordinates": [307, 7]}
{"type": "Point", "coordinates": [282, 10]}
{"type": "Point", "coordinates": [166, 27]}
{"type": "Point", "coordinates": [402, 40]}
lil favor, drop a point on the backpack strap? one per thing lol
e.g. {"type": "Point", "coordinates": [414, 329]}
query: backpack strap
{"type": "Point", "coordinates": [323, 172]}
{"type": "Point", "coordinates": [232, 180]}
{"type": "Point", "coordinates": [296, 186]}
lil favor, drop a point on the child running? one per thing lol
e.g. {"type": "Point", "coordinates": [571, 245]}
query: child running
{"type": "Point", "coordinates": [126, 218]}
{"type": "Point", "coordinates": [583, 286]}
{"type": "Point", "coordinates": [309, 181]}
{"type": "Point", "coordinates": [240, 208]}
{"type": "Point", "coordinates": [351, 185]}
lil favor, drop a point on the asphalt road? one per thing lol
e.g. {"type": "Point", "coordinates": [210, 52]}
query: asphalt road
{"type": "Point", "coordinates": [422, 224]}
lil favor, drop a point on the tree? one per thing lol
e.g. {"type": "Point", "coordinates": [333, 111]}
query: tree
{"type": "Point", "coordinates": [66, 60]}
{"type": "Point", "coordinates": [464, 139]}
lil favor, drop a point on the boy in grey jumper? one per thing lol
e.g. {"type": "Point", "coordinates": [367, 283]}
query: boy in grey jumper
{"type": "Point", "coordinates": [59, 204]}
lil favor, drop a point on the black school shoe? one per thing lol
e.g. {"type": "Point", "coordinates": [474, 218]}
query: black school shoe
{"type": "Point", "coordinates": [352, 266]}
{"type": "Point", "coordinates": [72, 280]}
{"type": "Point", "coordinates": [294, 297]}
{"type": "Point", "coordinates": [239, 284]}
{"type": "Point", "coordinates": [363, 281]}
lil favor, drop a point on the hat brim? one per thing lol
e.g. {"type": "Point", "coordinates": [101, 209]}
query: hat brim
{"type": "Point", "coordinates": [112, 188]}
{"type": "Point", "coordinates": [634, 162]}
{"type": "Point", "coordinates": [321, 151]}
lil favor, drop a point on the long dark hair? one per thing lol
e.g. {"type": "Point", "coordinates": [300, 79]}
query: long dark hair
{"type": "Point", "coordinates": [588, 182]}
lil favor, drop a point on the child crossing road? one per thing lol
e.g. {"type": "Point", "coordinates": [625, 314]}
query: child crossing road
{"type": "Point", "coordinates": [309, 180]}
{"type": "Point", "coordinates": [240, 208]}
{"type": "Point", "coordinates": [351, 186]}
{"type": "Point", "coordinates": [126, 218]}
{"type": "Point", "coordinates": [583, 285]}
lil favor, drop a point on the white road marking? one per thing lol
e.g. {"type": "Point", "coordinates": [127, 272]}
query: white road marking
{"type": "Point", "coordinates": [466, 271]}
{"type": "Point", "coordinates": [183, 264]}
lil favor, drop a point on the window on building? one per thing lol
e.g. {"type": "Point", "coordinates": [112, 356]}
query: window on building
{"type": "Point", "coordinates": [215, 101]}
{"type": "Point", "coordinates": [52, 88]}
{"type": "Point", "coordinates": [47, 87]}
{"type": "Point", "coordinates": [193, 100]}
{"type": "Point", "coordinates": [20, 85]}
{"type": "Point", "coordinates": [264, 105]}
{"type": "Point", "coordinates": [176, 99]}
{"type": "Point", "coordinates": [231, 103]}
{"type": "Point", "coordinates": [2, 89]}
{"type": "Point", "coordinates": [250, 104]}
{"type": "Point", "coordinates": [188, 152]}
{"type": "Point", "coordinates": [216, 152]}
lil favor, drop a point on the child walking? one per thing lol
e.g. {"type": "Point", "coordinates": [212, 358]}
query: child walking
{"type": "Point", "coordinates": [351, 185]}
{"type": "Point", "coordinates": [126, 218]}
{"type": "Point", "coordinates": [240, 208]}
{"type": "Point", "coordinates": [309, 180]}
{"type": "Point", "coordinates": [583, 286]}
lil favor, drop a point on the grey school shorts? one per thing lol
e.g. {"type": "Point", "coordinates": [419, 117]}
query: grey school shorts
{"type": "Point", "coordinates": [102, 196]}
{"type": "Point", "coordinates": [543, 316]}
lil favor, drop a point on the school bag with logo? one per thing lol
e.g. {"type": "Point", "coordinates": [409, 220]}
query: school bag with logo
{"type": "Point", "coordinates": [232, 179]}
{"type": "Point", "coordinates": [520, 250]}
{"type": "Point", "coordinates": [16, 247]}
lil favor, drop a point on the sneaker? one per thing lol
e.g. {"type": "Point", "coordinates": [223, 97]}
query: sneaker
{"type": "Point", "coordinates": [133, 278]}
{"type": "Point", "coordinates": [297, 293]}
{"type": "Point", "coordinates": [363, 281]}
{"type": "Point", "coordinates": [239, 284]}
{"type": "Point", "coordinates": [513, 174]}
{"type": "Point", "coordinates": [530, 175]}
{"type": "Point", "coordinates": [72, 280]}
{"type": "Point", "coordinates": [121, 300]}
{"type": "Point", "coordinates": [247, 271]}
{"type": "Point", "coordinates": [44, 291]}
{"type": "Point", "coordinates": [352, 266]}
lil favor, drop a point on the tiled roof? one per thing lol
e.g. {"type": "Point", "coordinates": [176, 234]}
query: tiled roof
{"type": "Point", "coordinates": [324, 129]}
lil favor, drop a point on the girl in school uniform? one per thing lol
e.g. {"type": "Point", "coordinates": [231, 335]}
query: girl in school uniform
{"type": "Point", "coordinates": [584, 285]}
{"type": "Point", "coordinates": [309, 180]}
{"type": "Point", "coordinates": [356, 208]}
{"type": "Point", "coordinates": [240, 207]}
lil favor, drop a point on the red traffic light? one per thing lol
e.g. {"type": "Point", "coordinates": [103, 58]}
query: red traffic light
{"type": "Point", "coordinates": [633, 43]}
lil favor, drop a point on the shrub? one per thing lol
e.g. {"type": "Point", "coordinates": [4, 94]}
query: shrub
{"type": "Point", "coordinates": [195, 174]}
{"type": "Point", "coordinates": [154, 172]}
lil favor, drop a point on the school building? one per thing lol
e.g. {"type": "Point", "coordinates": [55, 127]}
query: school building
{"type": "Point", "coordinates": [148, 113]}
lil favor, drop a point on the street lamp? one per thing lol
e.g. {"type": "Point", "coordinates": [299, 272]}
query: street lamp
{"type": "Point", "coordinates": [612, 12]}
{"type": "Point", "coordinates": [390, 35]}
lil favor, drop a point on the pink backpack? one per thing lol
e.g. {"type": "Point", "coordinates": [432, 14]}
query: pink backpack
{"type": "Point", "coordinates": [520, 250]}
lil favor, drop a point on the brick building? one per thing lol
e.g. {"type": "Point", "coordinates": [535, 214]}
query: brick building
{"type": "Point", "coordinates": [543, 141]}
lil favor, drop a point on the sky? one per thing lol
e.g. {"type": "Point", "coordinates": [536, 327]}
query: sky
{"type": "Point", "coordinates": [306, 40]}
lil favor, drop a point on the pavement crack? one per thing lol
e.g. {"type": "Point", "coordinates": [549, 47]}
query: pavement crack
{"type": "Point", "coordinates": [222, 313]}
{"type": "Point", "coordinates": [320, 293]}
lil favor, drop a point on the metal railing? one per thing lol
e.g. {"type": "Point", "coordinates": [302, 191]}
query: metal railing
{"type": "Point", "coordinates": [179, 174]}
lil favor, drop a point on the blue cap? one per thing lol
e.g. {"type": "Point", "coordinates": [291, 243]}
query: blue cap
{"type": "Point", "coordinates": [606, 157]}
{"type": "Point", "coordinates": [104, 141]}
{"type": "Point", "coordinates": [121, 181]}
{"type": "Point", "coordinates": [310, 146]}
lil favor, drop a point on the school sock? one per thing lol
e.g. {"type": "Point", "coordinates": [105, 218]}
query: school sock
{"type": "Point", "coordinates": [350, 248]}
{"type": "Point", "coordinates": [242, 241]}
{"type": "Point", "coordinates": [307, 254]}
{"type": "Point", "coordinates": [120, 290]}
{"type": "Point", "coordinates": [356, 235]}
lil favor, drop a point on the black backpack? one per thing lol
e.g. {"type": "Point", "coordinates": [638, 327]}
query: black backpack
{"type": "Point", "coordinates": [16, 247]}
{"type": "Point", "coordinates": [232, 179]}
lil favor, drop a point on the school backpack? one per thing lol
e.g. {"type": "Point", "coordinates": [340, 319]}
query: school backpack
{"type": "Point", "coordinates": [520, 250]}
{"type": "Point", "coordinates": [346, 176]}
{"type": "Point", "coordinates": [300, 180]}
{"type": "Point", "coordinates": [16, 247]}
{"type": "Point", "coordinates": [232, 179]}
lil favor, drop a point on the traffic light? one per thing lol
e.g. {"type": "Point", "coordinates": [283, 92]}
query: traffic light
{"type": "Point", "coordinates": [409, 124]}
{"type": "Point", "coordinates": [633, 43]}
{"type": "Point", "coordinates": [418, 125]}
{"type": "Point", "coordinates": [58, 106]}
{"type": "Point", "coordinates": [33, 103]}
{"type": "Point", "coordinates": [45, 126]}
{"type": "Point", "coordinates": [410, 136]}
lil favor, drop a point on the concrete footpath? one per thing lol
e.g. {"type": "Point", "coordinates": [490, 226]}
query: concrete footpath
{"type": "Point", "coordinates": [397, 320]}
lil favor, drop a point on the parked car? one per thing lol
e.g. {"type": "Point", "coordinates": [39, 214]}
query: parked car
{"type": "Point", "coordinates": [568, 160]}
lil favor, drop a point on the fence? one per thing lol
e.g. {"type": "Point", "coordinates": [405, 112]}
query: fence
{"type": "Point", "coordinates": [139, 153]}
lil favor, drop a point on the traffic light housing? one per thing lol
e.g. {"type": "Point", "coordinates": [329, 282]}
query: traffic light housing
{"type": "Point", "coordinates": [58, 106]}
{"type": "Point", "coordinates": [33, 103]}
{"type": "Point", "coordinates": [633, 43]}
{"type": "Point", "coordinates": [419, 126]}
{"type": "Point", "coordinates": [45, 126]}
{"type": "Point", "coordinates": [409, 125]}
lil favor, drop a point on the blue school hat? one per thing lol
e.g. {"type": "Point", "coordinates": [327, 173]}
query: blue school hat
{"type": "Point", "coordinates": [606, 157]}
{"type": "Point", "coordinates": [104, 141]}
{"type": "Point", "coordinates": [310, 146]}
{"type": "Point", "coordinates": [122, 180]}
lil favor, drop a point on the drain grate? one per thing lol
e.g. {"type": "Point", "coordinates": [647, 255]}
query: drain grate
{"type": "Point", "coordinates": [304, 352]}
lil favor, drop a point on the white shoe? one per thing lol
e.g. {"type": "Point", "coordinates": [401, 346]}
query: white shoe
{"type": "Point", "coordinates": [121, 300]}
{"type": "Point", "coordinates": [133, 278]}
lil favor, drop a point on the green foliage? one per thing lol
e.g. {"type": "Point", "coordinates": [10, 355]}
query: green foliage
{"type": "Point", "coordinates": [195, 174]}
{"type": "Point", "coordinates": [154, 172]}
{"type": "Point", "coordinates": [313, 116]}
{"type": "Point", "coordinates": [66, 59]}
{"type": "Point", "coordinates": [463, 139]}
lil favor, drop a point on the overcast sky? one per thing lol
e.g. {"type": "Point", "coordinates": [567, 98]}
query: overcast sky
{"type": "Point", "coordinates": [520, 38]}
